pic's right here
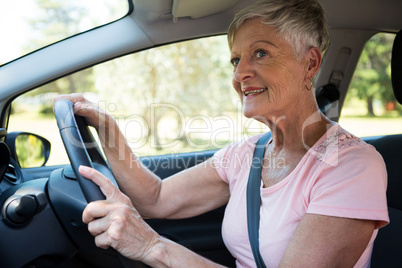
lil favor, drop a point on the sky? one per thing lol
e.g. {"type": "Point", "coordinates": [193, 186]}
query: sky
{"type": "Point", "coordinates": [15, 31]}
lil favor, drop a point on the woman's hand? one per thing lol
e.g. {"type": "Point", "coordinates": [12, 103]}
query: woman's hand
{"type": "Point", "coordinates": [93, 114]}
{"type": "Point", "coordinates": [115, 223]}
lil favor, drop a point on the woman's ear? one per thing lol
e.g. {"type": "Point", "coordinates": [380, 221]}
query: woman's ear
{"type": "Point", "coordinates": [314, 58]}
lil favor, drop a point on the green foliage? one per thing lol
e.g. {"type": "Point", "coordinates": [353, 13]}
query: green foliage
{"type": "Point", "coordinates": [30, 151]}
{"type": "Point", "coordinates": [187, 79]}
{"type": "Point", "coordinates": [183, 76]}
{"type": "Point", "coordinates": [174, 74]}
{"type": "Point", "coordinates": [372, 78]}
{"type": "Point", "coordinates": [46, 109]}
{"type": "Point", "coordinates": [58, 21]}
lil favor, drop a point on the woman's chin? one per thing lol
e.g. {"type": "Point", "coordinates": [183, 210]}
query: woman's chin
{"type": "Point", "coordinates": [248, 114]}
{"type": "Point", "coordinates": [251, 112]}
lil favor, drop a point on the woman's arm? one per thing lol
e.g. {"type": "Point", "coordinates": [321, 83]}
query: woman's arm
{"type": "Point", "coordinates": [326, 241]}
{"type": "Point", "coordinates": [169, 254]}
{"type": "Point", "coordinates": [114, 222]}
{"type": "Point", "coordinates": [186, 194]}
{"type": "Point", "coordinates": [193, 191]}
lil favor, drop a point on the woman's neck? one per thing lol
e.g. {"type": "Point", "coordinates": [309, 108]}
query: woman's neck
{"type": "Point", "coordinates": [298, 130]}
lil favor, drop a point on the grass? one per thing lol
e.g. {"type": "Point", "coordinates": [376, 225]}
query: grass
{"type": "Point", "coordinates": [371, 126]}
{"type": "Point", "coordinates": [354, 119]}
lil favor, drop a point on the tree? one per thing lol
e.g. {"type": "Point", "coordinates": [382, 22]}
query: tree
{"type": "Point", "coordinates": [59, 20]}
{"type": "Point", "coordinates": [173, 75]}
{"type": "Point", "coordinates": [372, 78]}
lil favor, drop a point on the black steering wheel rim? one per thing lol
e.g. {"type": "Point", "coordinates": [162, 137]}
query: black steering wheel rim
{"type": "Point", "coordinates": [72, 130]}
{"type": "Point", "coordinates": [82, 149]}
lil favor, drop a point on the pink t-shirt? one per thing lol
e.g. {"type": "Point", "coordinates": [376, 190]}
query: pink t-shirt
{"type": "Point", "coordinates": [340, 176]}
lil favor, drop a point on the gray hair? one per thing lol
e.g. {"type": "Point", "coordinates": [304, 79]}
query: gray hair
{"type": "Point", "coordinates": [301, 22]}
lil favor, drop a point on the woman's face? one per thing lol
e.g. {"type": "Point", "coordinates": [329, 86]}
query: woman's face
{"type": "Point", "coordinates": [267, 76]}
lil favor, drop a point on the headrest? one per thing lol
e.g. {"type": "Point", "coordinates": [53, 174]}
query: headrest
{"type": "Point", "coordinates": [396, 67]}
{"type": "Point", "coordinates": [326, 95]}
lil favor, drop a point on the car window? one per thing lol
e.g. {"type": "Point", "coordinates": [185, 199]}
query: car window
{"type": "Point", "coordinates": [171, 99]}
{"type": "Point", "coordinates": [370, 108]}
{"type": "Point", "coordinates": [31, 24]}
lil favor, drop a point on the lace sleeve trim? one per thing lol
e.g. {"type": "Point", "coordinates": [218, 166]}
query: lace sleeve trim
{"type": "Point", "coordinates": [336, 140]}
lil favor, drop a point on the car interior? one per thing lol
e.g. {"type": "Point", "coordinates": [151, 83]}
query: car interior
{"type": "Point", "coordinates": [41, 206]}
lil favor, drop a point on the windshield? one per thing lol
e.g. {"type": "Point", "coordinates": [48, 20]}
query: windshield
{"type": "Point", "coordinates": [31, 24]}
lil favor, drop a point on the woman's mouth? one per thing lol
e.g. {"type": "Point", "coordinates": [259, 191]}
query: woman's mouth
{"type": "Point", "coordinates": [249, 92]}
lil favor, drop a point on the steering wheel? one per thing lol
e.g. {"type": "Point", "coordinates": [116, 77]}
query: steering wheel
{"type": "Point", "coordinates": [81, 148]}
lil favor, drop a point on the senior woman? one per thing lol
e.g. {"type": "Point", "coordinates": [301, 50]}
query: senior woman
{"type": "Point", "coordinates": [321, 203]}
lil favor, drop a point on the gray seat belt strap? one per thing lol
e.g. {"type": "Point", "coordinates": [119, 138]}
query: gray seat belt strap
{"type": "Point", "coordinates": [254, 198]}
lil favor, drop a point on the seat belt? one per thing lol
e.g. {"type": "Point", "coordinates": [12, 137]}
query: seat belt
{"type": "Point", "coordinates": [254, 198]}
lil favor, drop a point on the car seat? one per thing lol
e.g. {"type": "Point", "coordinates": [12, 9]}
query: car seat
{"type": "Point", "coordinates": [387, 251]}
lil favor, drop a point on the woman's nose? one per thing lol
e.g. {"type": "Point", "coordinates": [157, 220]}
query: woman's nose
{"type": "Point", "coordinates": [243, 71]}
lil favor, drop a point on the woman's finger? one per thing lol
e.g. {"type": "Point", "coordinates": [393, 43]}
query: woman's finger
{"type": "Point", "coordinates": [85, 109]}
{"type": "Point", "coordinates": [128, 234]}
{"type": "Point", "coordinates": [94, 116]}
{"type": "Point", "coordinates": [102, 240]}
{"type": "Point", "coordinates": [95, 210]}
{"type": "Point", "coordinates": [111, 229]}
{"type": "Point", "coordinates": [96, 225]}
{"type": "Point", "coordinates": [106, 186]}
{"type": "Point", "coordinates": [75, 97]}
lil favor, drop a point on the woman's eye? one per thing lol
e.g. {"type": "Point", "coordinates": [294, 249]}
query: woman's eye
{"type": "Point", "coordinates": [261, 54]}
{"type": "Point", "coordinates": [235, 61]}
